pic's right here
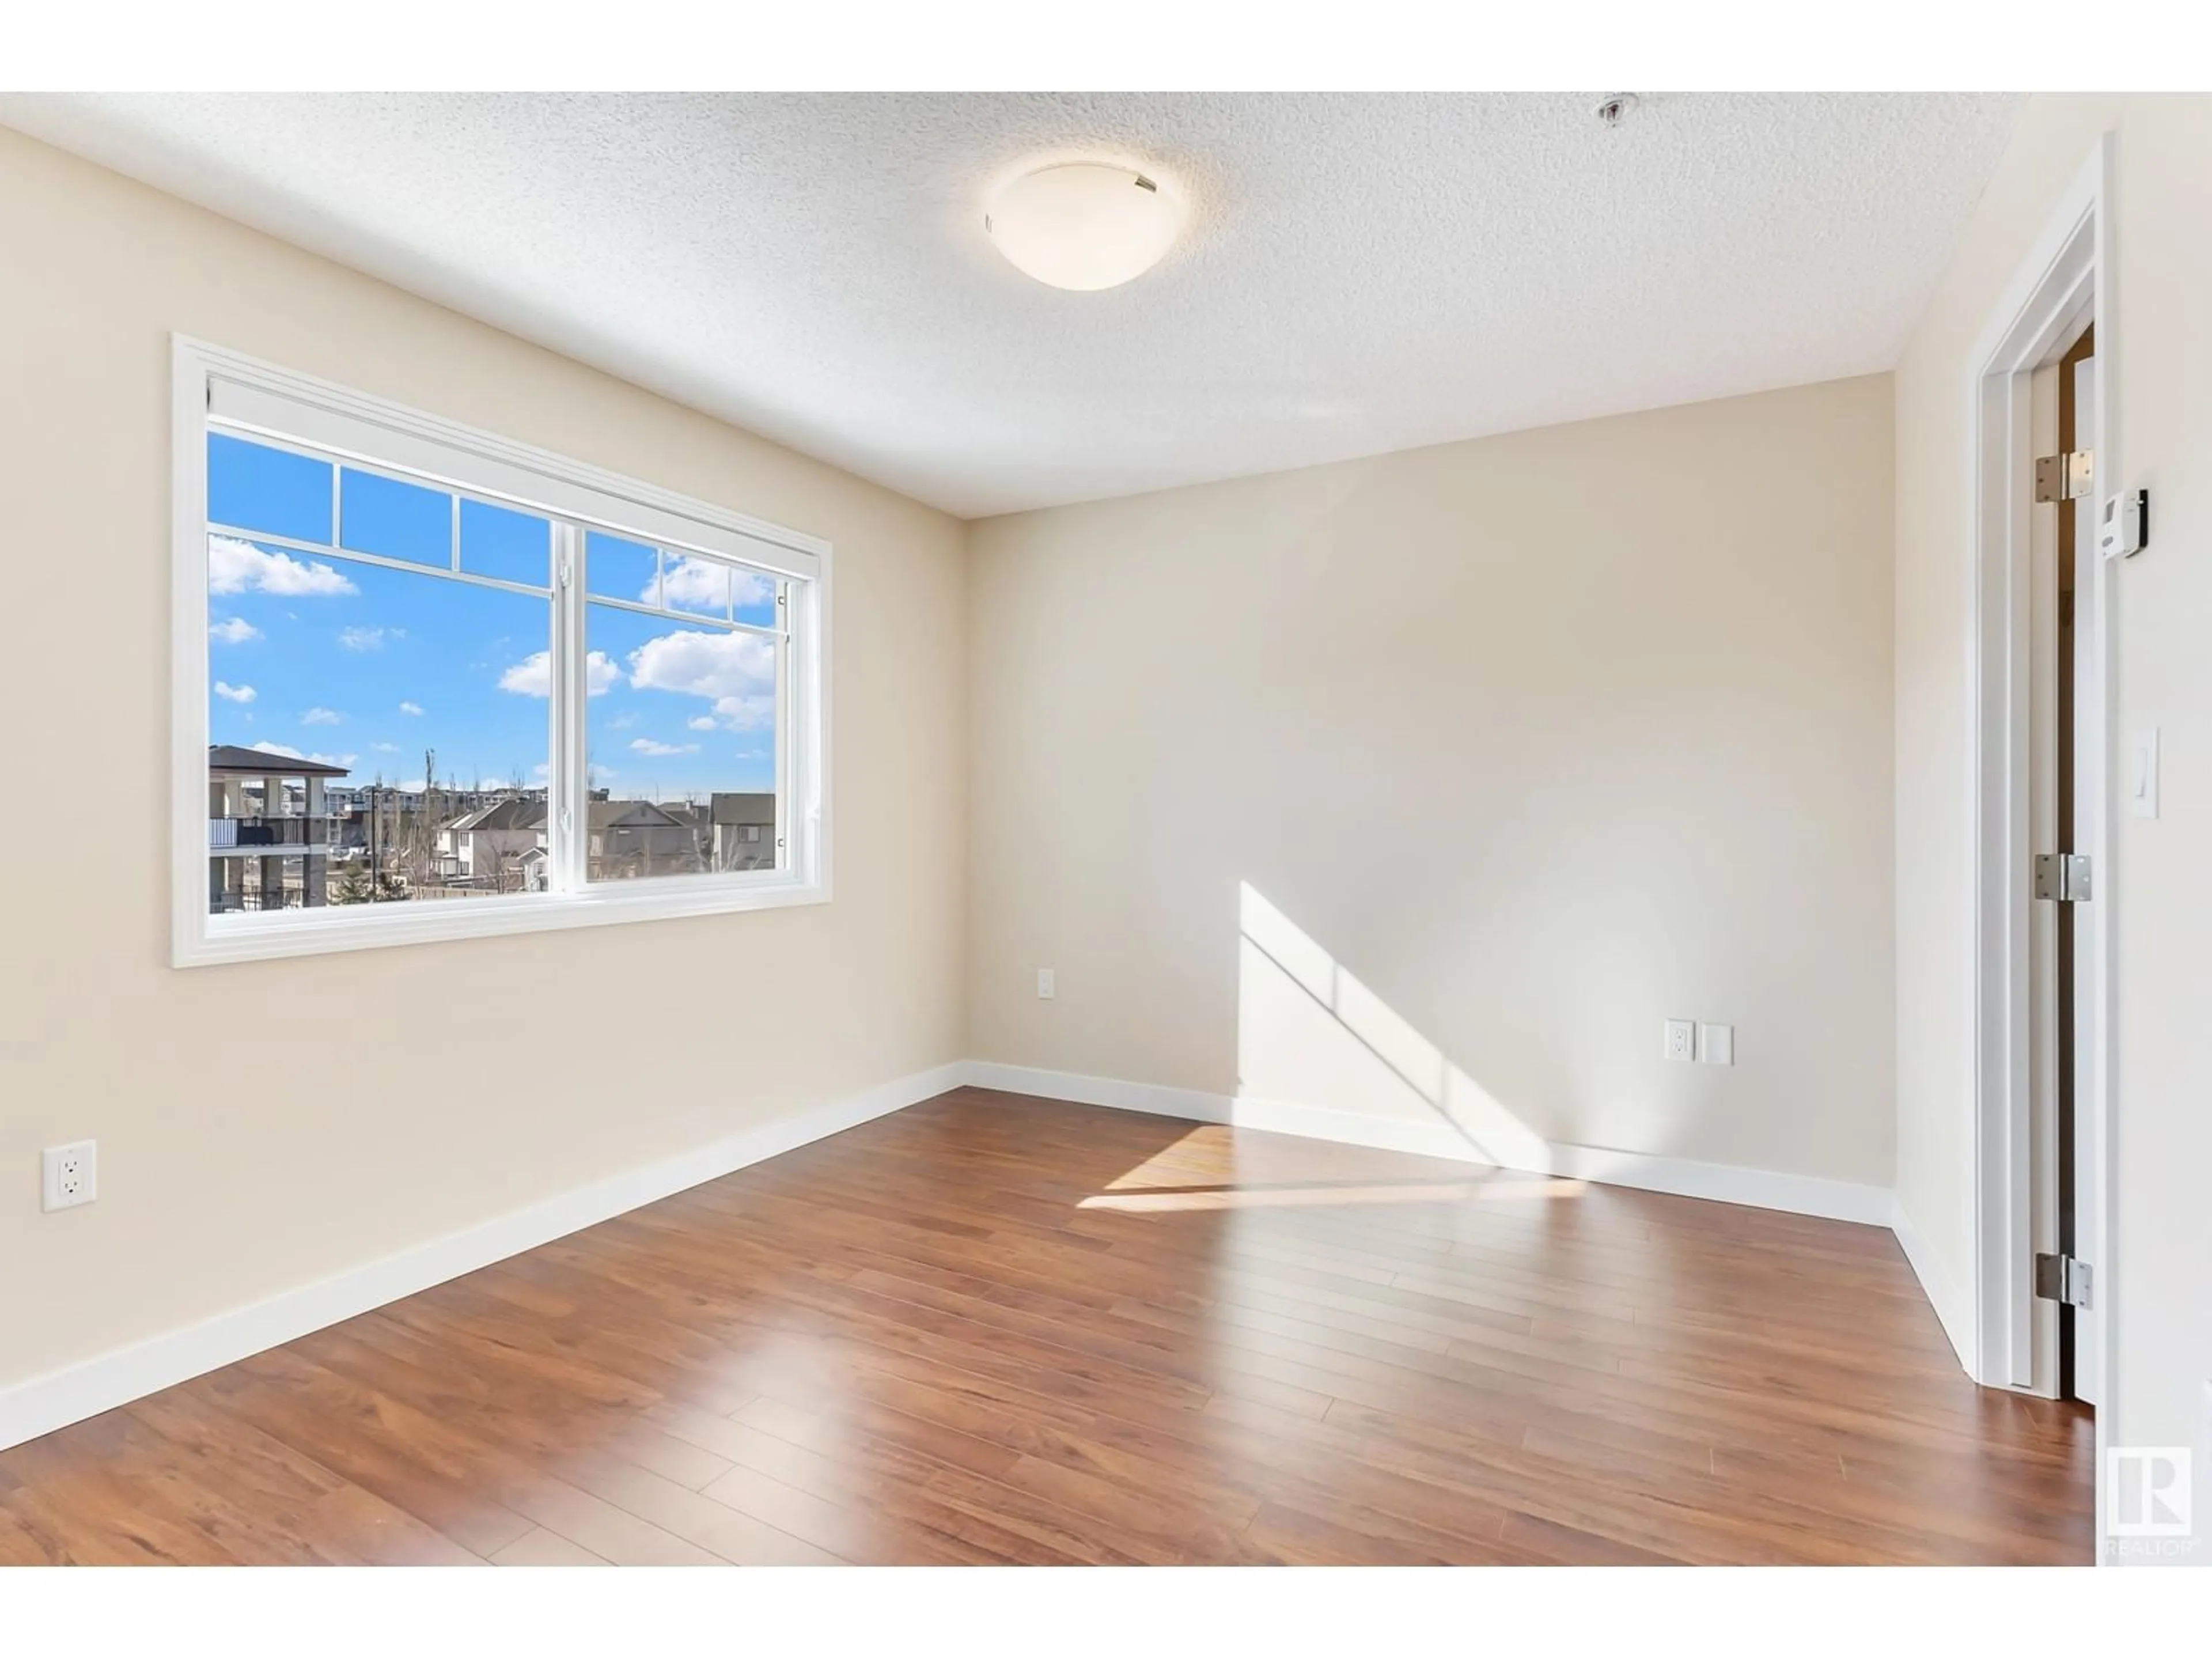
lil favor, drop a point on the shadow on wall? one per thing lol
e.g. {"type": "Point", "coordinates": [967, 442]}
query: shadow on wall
{"type": "Point", "coordinates": [1310, 1036]}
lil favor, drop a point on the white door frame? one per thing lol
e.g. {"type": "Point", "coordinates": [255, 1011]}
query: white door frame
{"type": "Point", "coordinates": [2065, 281]}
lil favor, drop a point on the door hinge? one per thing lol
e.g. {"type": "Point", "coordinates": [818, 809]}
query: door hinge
{"type": "Point", "coordinates": [2063, 878]}
{"type": "Point", "coordinates": [2062, 478]}
{"type": "Point", "coordinates": [2061, 1278]}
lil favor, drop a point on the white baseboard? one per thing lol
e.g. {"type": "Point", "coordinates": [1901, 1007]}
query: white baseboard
{"type": "Point", "coordinates": [42, 1404]}
{"type": "Point", "coordinates": [1956, 1317]}
{"type": "Point", "coordinates": [1157, 1098]}
{"type": "Point", "coordinates": [1726, 1184]}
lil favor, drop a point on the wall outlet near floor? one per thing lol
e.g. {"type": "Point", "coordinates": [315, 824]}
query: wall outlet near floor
{"type": "Point", "coordinates": [1044, 983]}
{"type": "Point", "coordinates": [70, 1175]}
{"type": "Point", "coordinates": [1716, 1045]}
{"type": "Point", "coordinates": [1680, 1039]}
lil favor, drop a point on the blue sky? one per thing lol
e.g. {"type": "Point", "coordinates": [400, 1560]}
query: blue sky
{"type": "Point", "coordinates": [365, 666]}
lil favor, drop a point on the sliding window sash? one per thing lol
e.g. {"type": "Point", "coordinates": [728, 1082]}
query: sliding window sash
{"type": "Point", "coordinates": [568, 795]}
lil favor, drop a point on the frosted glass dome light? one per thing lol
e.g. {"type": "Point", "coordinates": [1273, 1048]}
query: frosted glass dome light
{"type": "Point", "coordinates": [1084, 225]}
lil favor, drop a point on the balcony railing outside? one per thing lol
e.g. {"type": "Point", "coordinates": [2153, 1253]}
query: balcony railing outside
{"type": "Point", "coordinates": [268, 832]}
{"type": "Point", "coordinates": [238, 902]}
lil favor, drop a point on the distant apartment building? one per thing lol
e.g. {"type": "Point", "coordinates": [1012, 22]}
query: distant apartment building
{"type": "Point", "coordinates": [268, 830]}
{"type": "Point", "coordinates": [281, 829]}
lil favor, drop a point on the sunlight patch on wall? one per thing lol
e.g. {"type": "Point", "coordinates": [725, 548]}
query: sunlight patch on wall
{"type": "Point", "coordinates": [1312, 1034]}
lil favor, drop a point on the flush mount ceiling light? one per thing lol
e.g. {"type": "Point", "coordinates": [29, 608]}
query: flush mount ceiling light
{"type": "Point", "coordinates": [1084, 225]}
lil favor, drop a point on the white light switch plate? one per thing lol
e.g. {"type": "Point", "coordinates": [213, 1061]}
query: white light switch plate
{"type": "Point", "coordinates": [1044, 983]}
{"type": "Point", "coordinates": [1680, 1039]}
{"type": "Point", "coordinates": [2142, 781]}
{"type": "Point", "coordinates": [69, 1175]}
{"type": "Point", "coordinates": [1716, 1045]}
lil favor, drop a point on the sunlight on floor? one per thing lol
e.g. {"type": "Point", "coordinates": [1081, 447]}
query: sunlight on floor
{"type": "Point", "coordinates": [1212, 1168]}
{"type": "Point", "coordinates": [1169, 1199]}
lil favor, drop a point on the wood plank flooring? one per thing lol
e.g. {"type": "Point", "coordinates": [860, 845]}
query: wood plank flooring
{"type": "Point", "coordinates": [996, 1329]}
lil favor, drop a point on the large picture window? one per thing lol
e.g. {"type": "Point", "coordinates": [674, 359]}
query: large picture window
{"type": "Point", "coordinates": [432, 683]}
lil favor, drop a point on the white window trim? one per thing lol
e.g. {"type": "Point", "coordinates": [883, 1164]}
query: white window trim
{"type": "Point", "coordinates": [199, 939]}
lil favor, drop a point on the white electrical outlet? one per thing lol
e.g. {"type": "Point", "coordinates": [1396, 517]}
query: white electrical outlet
{"type": "Point", "coordinates": [1681, 1039]}
{"type": "Point", "coordinates": [1044, 983]}
{"type": "Point", "coordinates": [70, 1174]}
{"type": "Point", "coordinates": [1717, 1044]}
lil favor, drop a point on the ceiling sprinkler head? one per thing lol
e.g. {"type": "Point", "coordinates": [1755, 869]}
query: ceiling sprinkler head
{"type": "Point", "coordinates": [1614, 109]}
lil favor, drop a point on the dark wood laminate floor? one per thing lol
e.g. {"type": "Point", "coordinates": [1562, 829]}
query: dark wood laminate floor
{"type": "Point", "coordinates": [997, 1330]}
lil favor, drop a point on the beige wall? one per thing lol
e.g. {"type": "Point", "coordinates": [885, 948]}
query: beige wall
{"type": "Point", "coordinates": [1514, 747]}
{"type": "Point", "coordinates": [1519, 746]}
{"type": "Point", "coordinates": [2158, 370]}
{"type": "Point", "coordinates": [263, 1126]}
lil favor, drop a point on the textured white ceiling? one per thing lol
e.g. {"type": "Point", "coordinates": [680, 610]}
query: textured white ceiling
{"type": "Point", "coordinates": [1362, 273]}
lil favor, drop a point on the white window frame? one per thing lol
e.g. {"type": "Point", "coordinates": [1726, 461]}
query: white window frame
{"type": "Point", "coordinates": [354, 425]}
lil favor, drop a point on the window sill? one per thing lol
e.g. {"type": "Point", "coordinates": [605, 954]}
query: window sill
{"type": "Point", "coordinates": [205, 941]}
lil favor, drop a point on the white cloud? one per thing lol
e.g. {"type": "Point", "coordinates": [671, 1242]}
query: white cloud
{"type": "Point", "coordinates": [738, 671]}
{"type": "Point", "coordinates": [236, 566]}
{"type": "Point", "coordinates": [753, 713]}
{"type": "Point", "coordinates": [701, 722]}
{"type": "Point", "coordinates": [533, 676]}
{"type": "Point", "coordinates": [690, 582]}
{"type": "Point", "coordinates": [234, 693]}
{"type": "Point", "coordinates": [232, 630]}
{"type": "Point", "coordinates": [696, 584]}
{"type": "Point", "coordinates": [385, 748]}
{"type": "Point", "coordinates": [368, 639]}
{"type": "Point", "coordinates": [650, 746]}
{"type": "Point", "coordinates": [321, 717]}
{"type": "Point", "coordinates": [411, 708]}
